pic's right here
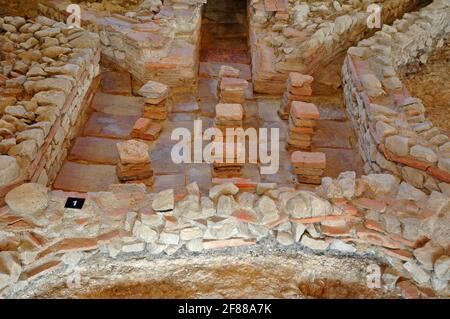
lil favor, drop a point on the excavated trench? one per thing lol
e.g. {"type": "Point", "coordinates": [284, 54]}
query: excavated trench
{"type": "Point", "coordinates": [259, 272]}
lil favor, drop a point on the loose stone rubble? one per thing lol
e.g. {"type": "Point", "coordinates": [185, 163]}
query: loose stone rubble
{"type": "Point", "coordinates": [46, 76]}
{"type": "Point", "coordinates": [394, 134]}
{"type": "Point", "coordinates": [347, 215]}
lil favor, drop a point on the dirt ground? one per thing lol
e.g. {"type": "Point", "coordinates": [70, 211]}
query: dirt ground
{"type": "Point", "coordinates": [430, 82]}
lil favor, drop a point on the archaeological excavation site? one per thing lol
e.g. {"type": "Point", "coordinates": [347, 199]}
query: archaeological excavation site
{"type": "Point", "coordinates": [191, 149]}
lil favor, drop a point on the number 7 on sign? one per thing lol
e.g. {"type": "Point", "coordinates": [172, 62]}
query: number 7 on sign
{"type": "Point", "coordinates": [74, 20]}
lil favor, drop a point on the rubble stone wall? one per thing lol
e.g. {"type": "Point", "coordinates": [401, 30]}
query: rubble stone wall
{"type": "Point", "coordinates": [47, 69]}
{"type": "Point", "coordinates": [394, 134]}
{"type": "Point", "coordinates": [307, 36]}
{"type": "Point", "coordinates": [373, 215]}
{"type": "Point", "coordinates": [162, 46]}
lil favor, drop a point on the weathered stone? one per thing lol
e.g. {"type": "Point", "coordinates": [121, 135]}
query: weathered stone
{"type": "Point", "coordinates": [9, 169]}
{"type": "Point", "coordinates": [417, 273]}
{"type": "Point", "coordinates": [49, 32]}
{"type": "Point", "coordinates": [26, 149]}
{"type": "Point", "coordinates": [315, 244]}
{"type": "Point", "coordinates": [36, 135]}
{"type": "Point", "coordinates": [341, 246]}
{"type": "Point", "coordinates": [298, 230]}
{"type": "Point", "coordinates": [318, 206]}
{"type": "Point", "coordinates": [413, 176]}
{"type": "Point", "coordinates": [442, 267]}
{"type": "Point", "coordinates": [56, 98]}
{"type": "Point", "coordinates": [285, 238]}
{"type": "Point", "coordinates": [169, 238]}
{"type": "Point", "coordinates": [226, 205]}
{"type": "Point", "coordinates": [164, 201]}
{"type": "Point", "coordinates": [27, 198]}
{"type": "Point", "coordinates": [144, 232]}
{"type": "Point", "coordinates": [423, 154]}
{"type": "Point", "coordinates": [57, 84]}
{"type": "Point", "coordinates": [55, 51]}
{"type": "Point", "coordinates": [409, 192]}
{"type": "Point", "coordinates": [10, 268]}
{"type": "Point", "coordinates": [267, 209]}
{"type": "Point", "coordinates": [428, 254]}
{"type": "Point", "coordinates": [444, 164]}
{"type": "Point", "coordinates": [154, 90]}
{"type": "Point", "coordinates": [191, 233]}
{"type": "Point", "coordinates": [195, 245]}
{"type": "Point", "coordinates": [298, 208]}
{"type": "Point", "coordinates": [133, 152]}
{"type": "Point", "coordinates": [398, 145]}
{"type": "Point", "coordinates": [223, 189]}
{"type": "Point", "coordinates": [207, 207]}
{"type": "Point", "coordinates": [381, 184]}
{"type": "Point", "coordinates": [86, 40]}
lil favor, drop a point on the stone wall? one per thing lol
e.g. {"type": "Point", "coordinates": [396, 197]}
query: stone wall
{"type": "Point", "coordinates": [373, 216]}
{"type": "Point", "coordinates": [306, 36]}
{"type": "Point", "coordinates": [47, 71]}
{"type": "Point", "coordinates": [394, 134]}
{"type": "Point", "coordinates": [160, 44]}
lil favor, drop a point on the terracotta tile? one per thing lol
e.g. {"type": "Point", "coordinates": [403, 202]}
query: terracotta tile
{"type": "Point", "coordinates": [94, 150]}
{"type": "Point", "coordinates": [303, 110]}
{"type": "Point", "coordinates": [116, 82]}
{"type": "Point", "coordinates": [308, 159]}
{"type": "Point", "coordinates": [370, 204]}
{"type": "Point", "coordinates": [117, 104]}
{"type": "Point", "coordinates": [110, 126]}
{"type": "Point", "coordinates": [85, 177]}
{"type": "Point", "coordinates": [68, 245]}
{"type": "Point", "coordinates": [334, 134]}
{"type": "Point", "coordinates": [226, 243]}
{"type": "Point", "coordinates": [43, 269]}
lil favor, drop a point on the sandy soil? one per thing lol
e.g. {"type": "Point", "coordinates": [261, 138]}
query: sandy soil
{"type": "Point", "coordinates": [430, 83]}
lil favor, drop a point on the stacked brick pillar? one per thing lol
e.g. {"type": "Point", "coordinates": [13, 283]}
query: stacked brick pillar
{"type": "Point", "coordinates": [156, 95]}
{"type": "Point", "coordinates": [226, 165]}
{"type": "Point", "coordinates": [230, 87]}
{"type": "Point", "coordinates": [302, 122]}
{"type": "Point", "coordinates": [298, 88]}
{"type": "Point", "coordinates": [134, 165]}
